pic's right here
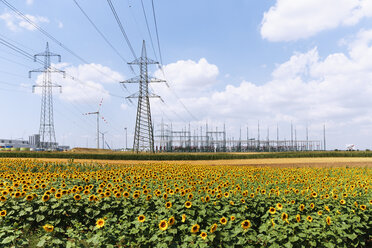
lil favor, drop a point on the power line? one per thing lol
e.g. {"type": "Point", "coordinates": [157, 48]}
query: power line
{"type": "Point", "coordinates": [121, 28]}
{"type": "Point", "coordinates": [156, 28]}
{"type": "Point", "coordinates": [148, 29]}
{"type": "Point", "coordinates": [102, 35]}
{"type": "Point", "coordinates": [29, 56]}
{"type": "Point", "coordinates": [51, 37]}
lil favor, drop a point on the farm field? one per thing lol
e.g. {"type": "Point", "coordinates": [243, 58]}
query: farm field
{"type": "Point", "coordinates": [65, 203]}
{"type": "Point", "coordinates": [272, 162]}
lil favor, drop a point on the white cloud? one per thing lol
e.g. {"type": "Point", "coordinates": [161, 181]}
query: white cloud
{"type": "Point", "coordinates": [16, 23]}
{"type": "Point", "coordinates": [292, 20]}
{"type": "Point", "coordinates": [88, 86]}
{"type": "Point", "coordinates": [189, 77]}
{"type": "Point", "coordinates": [306, 88]}
{"type": "Point", "coordinates": [29, 2]}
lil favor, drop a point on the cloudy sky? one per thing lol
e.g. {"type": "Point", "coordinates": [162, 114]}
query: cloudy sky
{"type": "Point", "coordinates": [235, 62]}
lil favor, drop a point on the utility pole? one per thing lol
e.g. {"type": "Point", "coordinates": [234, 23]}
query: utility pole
{"type": "Point", "coordinates": [258, 135]}
{"type": "Point", "coordinates": [307, 137]}
{"type": "Point", "coordinates": [103, 139]}
{"type": "Point", "coordinates": [144, 133]}
{"type": "Point", "coordinates": [46, 130]}
{"type": "Point", "coordinates": [291, 136]}
{"type": "Point", "coordinates": [126, 138]}
{"type": "Point", "coordinates": [277, 137]}
{"type": "Point", "coordinates": [324, 138]}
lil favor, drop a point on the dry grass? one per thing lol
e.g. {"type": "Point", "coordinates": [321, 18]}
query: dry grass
{"type": "Point", "coordinates": [275, 162]}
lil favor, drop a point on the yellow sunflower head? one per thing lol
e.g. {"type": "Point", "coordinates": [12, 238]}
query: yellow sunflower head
{"type": "Point", "coordinates": [163, 225]}
{"type": "Point", "coordinates": [213, 228]}
{"type": "Point", "coordinates": [223, 221]}
{"type": "Point", "coordinates": [195, 228]}
{"type": "Point", "coordinates": [188, 204]}
{"type": "Point", "coordinates": [246, 224]}
{"type": "Point", "coordinates": [203, 235]}
{"type": "Point", "coordinates": [141, 218]}
{"type": "Point", "coordinates": [48, 228]}
{"type": "Point", "coordinates": [171, 221]}
{"type": "Point", "coordinates": [100, 223]}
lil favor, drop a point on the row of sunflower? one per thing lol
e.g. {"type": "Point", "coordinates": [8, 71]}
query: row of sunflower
{"type": "Point", "coordinates": [105, 205]}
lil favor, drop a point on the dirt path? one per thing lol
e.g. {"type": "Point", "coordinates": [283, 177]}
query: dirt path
{"type": "Point", "coordinates": [275, 162]}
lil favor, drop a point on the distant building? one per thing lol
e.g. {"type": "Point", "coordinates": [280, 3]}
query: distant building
{"type": "Point", "coordinates": [11, 143]}
{"type": "Point", "coordinates": [34, 140]}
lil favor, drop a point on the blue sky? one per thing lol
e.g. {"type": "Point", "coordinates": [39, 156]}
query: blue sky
{"type": "Point", "coordinates": [277, 61]}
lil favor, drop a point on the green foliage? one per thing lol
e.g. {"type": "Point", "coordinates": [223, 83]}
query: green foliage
{"type": "Point", "coordinates": [183, 156]}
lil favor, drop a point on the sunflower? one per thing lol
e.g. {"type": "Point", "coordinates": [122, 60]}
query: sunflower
{"type": "Point", "coordinates": [171, 221]}
{"type": "Point", "coordinates": [92, 197]}
{"type": "Point", "coordinates": [223, 221]}
{"type": "Point", "coordinates": [232, 218]}
{"type": "Point", "coordinates": [363, 207]}
{"type": "Point", "coordinates": [314, 194]}
{"type": "Point", "coordinates": [328, 220]}
{"type": "Point", "coordinates": [320, 212]}
{"type": "Point", "coordinates": [298, 218]}
{"type": "Point", "coordinates": [17, 194]}
{"type": "Point", "coordinates": [148, 197]}
{"type": "Point", "coordinates": [190, 196]}
{"type": "Point", "coordinates": [141, 218]}
{"type": "Point", "coordinates": [342, 202]}
{"type": "Point", "coordinates": [183, 218]}
{"type": "Point", "coordinates": [213, 228]}
{"type": "Point", "coordinates": [163, 225]}
{"type": "Point", "coordinates": [285, 217]}
{"type": "Point", "coordinates": [58, 195]}
{"type": "Point", "coordinates": [126, 194]}
{"type": "Point", "coordinates": [2, 198]}
{"type": "Point", "coordinates": [136, 195]}
{"type": "Point", "coordinates": [312, 205]}
{"type": "Point", "coordinates": [48, 228]}
{"type": "Point", "coordinates": [327, 208]}
{"type": "Point", "coordinates": [203, 235]}
{"type": "Point", "coordinates": [207, 198]}
{"type": "Point", "coordinates": [77, 197]}
{"type": "Point", "coordinates": [3, 213]}
{"type": "Point", "coordinates": [226, 194]}
{"type": "Point", "coordinates": [45, 198]}
{"type": "Point", "coordinates": [301, 207]}
{"type": "Point", "coordinates": [246, 224]}
{"type": "Point", "coordinates": [188, 204]}
{"type": "Point", "coordinates": [100, 223]}
{"type": "Point", "coordinates": [195, 228]}
{"type": "Point", "coordinates": [242, 200]}
{"type": "Point", "coordinates": [272, 210]}
{"type": "Point", "coordinates": [279, 206]}
{"type": "Point", "coordinates": [29, 198]}
{"type": "Point", "coordinates": [309, 218]}
{"type": "Point", "coordinates": [168, 205]}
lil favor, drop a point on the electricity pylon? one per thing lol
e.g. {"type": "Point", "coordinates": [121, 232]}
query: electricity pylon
{"type": "Point", "coordinates": [46, 131]}
{"type": "Point", "coordinates": [144, 134]}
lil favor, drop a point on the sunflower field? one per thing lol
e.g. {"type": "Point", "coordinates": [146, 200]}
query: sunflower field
{"type": "Point", "coordinates": [163, 205]}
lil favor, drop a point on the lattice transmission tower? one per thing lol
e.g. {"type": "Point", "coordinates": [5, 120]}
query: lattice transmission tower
{"type": "Point", "coordinates": [144, 133]}
{"type": "Point", "coordinates": [46, 131]}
